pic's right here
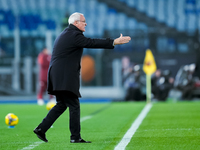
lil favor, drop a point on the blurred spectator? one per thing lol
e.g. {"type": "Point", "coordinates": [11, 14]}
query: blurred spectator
{"type": "Point", "coordinates": [162, 83]}
{"type": "Point", "coordinates": [189, 82]}
{"type": "Point", "coordinates": [131, 76]}
{"type": "Point", "coordinates": [43, 60]}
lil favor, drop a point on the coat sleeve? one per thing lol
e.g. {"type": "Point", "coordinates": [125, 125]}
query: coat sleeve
{"type": "Point", "coordinates": [84, 42]}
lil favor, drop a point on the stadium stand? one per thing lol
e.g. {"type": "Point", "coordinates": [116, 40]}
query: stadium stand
{"type": "Point", "coordinates": [173, 13]}
{"type": "Point", "coordinates": [50, 13]}
{"type": "Point", "coordinates": [35, 17]}
{"type": "Point", "coordinates": [33, 14]}
{"type": "Point", "coordinates": [161, 25]}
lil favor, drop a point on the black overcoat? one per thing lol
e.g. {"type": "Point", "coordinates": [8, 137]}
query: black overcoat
{"type": "Point", "coordinates": [64, 68]}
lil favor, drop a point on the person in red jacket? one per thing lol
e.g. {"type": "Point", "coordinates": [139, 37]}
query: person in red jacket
{"type": "Point", "coordinates": [43, 60]}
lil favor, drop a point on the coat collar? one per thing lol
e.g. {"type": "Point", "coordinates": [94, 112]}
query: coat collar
{"type": "Point", "coordinates": [71, 26]}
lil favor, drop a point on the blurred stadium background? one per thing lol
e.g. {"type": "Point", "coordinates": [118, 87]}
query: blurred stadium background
{"type": "Point", "coordinates": [170, 28]}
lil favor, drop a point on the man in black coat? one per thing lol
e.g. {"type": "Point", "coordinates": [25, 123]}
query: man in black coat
{"type": "Point", "coordinates": [64, 74]}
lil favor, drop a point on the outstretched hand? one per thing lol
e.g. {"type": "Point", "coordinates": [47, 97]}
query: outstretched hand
{"type": "Point", "coordinates": [122, 40]}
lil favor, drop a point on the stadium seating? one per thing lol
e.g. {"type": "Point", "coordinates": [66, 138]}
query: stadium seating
{"type": "Point", "coordinates": [37, 16]}
{"type": "Point", "coordinates": [181, 14]}
{"type": "Point", "coordinates": [31, 15]}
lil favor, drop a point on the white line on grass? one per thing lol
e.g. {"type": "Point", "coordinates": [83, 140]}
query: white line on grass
{"type": "Point", "coordinates": [32, 146]}
{"type": "Point", "coordinates": [127, 137]}
{"type": "Point", "coordinates": [35, 144]}
{"type": "Point", "coordinates": [85, 118]}
{"type": "Point", "coordinates": [176, 129]}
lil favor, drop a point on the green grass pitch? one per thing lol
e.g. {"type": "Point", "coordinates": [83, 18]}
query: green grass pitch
{"type": "Point", "coordinates": [167, 126]}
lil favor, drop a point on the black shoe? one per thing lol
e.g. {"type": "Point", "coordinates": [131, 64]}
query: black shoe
{"type": "Point", "coordinates": [40, 134]}
{"type": "Point", "coordinates": [80, 141]}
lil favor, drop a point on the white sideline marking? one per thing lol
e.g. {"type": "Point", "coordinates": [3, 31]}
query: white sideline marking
{"type": "Point", "coordinates": [35, 144]}
{"type": "Point", "coordinates": [127, 137]}
{"type": "Point", "coordinates": [32, 146]}
{"type": "Point", "coordinates": [176, 129]}
{"type": "Point", "coordinates": [85, 118]}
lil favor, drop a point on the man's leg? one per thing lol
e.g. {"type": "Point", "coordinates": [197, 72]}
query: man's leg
{"type": "Point", "coordinates": [64, 100]}
{"type": "Point", "coordinates": [74, 111]}
{"type": "Point", "coordinates": [72, 101]}
{"type": "Point", "coordinates": [53, 114]}
{"type": "Point", "coordinates": [51, 117]}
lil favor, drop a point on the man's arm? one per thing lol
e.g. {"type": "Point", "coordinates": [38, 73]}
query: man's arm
{"type": "Point", "coordinates": [82, 41]}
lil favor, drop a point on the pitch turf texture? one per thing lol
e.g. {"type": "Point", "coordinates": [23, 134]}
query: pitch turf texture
{"type": "Point", "coordinates": [167, 126]}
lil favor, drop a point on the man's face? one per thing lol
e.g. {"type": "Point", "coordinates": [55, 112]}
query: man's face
{"type": "Point", "coordinates": [81, 24]}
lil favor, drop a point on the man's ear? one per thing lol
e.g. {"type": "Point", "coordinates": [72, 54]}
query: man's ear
{"type": "Point", "coordinates": [76, 22]}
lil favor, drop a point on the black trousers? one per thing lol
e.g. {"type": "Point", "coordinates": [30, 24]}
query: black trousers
{"type": "Point", "coordinates": [64, 100]}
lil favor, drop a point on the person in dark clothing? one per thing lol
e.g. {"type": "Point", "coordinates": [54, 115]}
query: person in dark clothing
{"type": "Point", "coordinates": [64, 72]}
{"type": "Point", "coordinates": [189, 83]}
{"type": "Point", "coordinates": [162, 83]}
{"type": "Point", "coordinates": [131, 80]}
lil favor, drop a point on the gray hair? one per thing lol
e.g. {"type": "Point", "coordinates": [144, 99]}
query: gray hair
{"type": "Point", "coordinates": [74, 17]}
